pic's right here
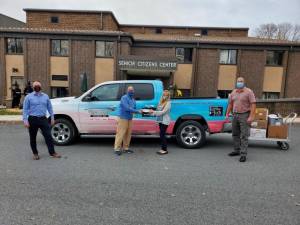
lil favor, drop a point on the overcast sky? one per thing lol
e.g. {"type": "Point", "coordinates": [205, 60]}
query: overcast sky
{"type": "Point", "coordinates": [236, 13]}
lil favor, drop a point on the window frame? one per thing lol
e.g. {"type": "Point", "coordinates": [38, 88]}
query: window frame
{"type": "Point", "coordinates": [15, 45]}
{"type": "Point", "coordinates": [227, 93]}
{"type": "Point", "coordinates": [52, 19]}
{"type": "Point", "coordinates": [185, 59]}
{"type": "Point", "coordinates": [126, 85]}
{"type": "Point", "coordinates": [90, 94]}
{"type": "Point", "coordinates": [228, 50]}
{"type": "Point", "coordinates": [60, 48]}
{"type": "Point", "coordinates": [105, 49]}
{"type": "Point", "coordinates": [274, 53]}
{"type": "Point", "coordinates": [267, 93]}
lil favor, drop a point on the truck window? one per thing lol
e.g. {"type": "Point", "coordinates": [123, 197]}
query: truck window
{"type": "Point", "coordinates": [108, 92]}
{"type": "Point", "coordinates": [142, 91]}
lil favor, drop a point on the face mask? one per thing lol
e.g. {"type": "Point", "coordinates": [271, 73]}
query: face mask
{"type": "Point", "coordinates": [131, 93]}
{"type": "Point", "coordinates": [240, 85]}
{"type": "Point", "coordinates": [37, 88]}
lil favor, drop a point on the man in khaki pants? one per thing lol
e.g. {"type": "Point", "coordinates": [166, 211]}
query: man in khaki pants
{"type": "Point", "coordinates": [127, 109]}
{"type": "Point", "coordinates": [242, 104]}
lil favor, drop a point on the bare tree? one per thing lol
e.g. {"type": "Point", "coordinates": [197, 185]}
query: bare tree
{"type": "Point", "coordinates": [295, 35]}
{"type": "Point", "coordinates": [282, 31]}
{"type": "Point", "coordinates": [266, 30]}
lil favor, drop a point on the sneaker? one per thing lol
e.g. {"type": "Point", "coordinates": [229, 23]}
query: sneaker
{"type": "Point", "coordinates": [118, 152]}
{"type": "Point", "coordinates": [128, 151]}
{"type": "Point", "coordinates": [36, 157]}
{"type": "Point", "coordinates": [234, 153]}
{"type": "Point", "coordinates": [55, 156]}
{"type": "Point", "coordinates": [243, 159]}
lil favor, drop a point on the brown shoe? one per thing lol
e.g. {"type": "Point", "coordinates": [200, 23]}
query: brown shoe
{"type": "Point", "coordinates": [56, 156]}
{"type": "Point", "coordinates": [35, 157]}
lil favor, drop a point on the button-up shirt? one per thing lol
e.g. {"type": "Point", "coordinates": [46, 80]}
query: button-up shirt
{"type": "Point", "coordinates": [37, 104]}
{"type": "Point", "coordinates": [242, 100]}
{"type": "Point", "coordinates": [127, 107]}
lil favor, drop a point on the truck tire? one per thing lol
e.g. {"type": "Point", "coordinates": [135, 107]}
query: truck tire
{"type": "Point", "coordinates": [190, 134]}
{"type": "Point", "coordinates": [63, 132]}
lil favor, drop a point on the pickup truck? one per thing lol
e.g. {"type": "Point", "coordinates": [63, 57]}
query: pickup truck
{"type": "Point", "coordinates": [95, 114]}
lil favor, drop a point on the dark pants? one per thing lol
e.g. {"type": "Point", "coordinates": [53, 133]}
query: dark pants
{"type": "Point", "coordinates": [42, 123]}
{"type": "Point", "coordinates": [240, 132]}
{"type": "Point", "coordinates": [162, 134]}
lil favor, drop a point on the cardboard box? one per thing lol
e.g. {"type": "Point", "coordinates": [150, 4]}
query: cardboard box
{"type": "Point", "coordinates": [261, 114]}
{"type": "Point", "coordinates": [258, 133]}
{"type": "Point", "coordinates": [280, 132]}
{"type": "Point", "coordinates": [260, 124]}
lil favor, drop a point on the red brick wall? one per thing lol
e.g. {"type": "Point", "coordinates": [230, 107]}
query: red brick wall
{"type": "Point", "coordinates": [38, 62]}
{"type": "Point", "coordinates": [82, 60]}
{"type": "Point", "coordinates": [185, 31]}
{"type": "Point", "coordinates": [77, 21]}
{"type": "Point", "coordinates": [252, 65]}
{"type": "Point", "coordinates": [153, 52]}
{"type": "Point", "coordinates": [293, 76]}
{"type": "Point", "coordinates": [2, 71]}
{"type": "Point", "coordinates": [206, 73]}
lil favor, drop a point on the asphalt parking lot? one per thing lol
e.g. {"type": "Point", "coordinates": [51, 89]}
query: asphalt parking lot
{"type": "Point", "coordinates": [90, 185]}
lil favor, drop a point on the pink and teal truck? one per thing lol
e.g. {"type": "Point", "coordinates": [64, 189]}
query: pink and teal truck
{"type": "Point", "coordinates": [95, 114]}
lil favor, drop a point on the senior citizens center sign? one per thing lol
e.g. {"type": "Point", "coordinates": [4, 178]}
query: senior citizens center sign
{"type": "Point", "coordinates": [140, 64]}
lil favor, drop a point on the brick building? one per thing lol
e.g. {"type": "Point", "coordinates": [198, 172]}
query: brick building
{"type": "Point", "coordinates": [57, 46]}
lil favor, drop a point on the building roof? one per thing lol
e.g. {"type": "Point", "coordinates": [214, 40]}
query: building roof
{"type": "Point", "coordinates": [185, 27]}
{"type": "Point", "coordinates": [211, 39]}
{"type": "Point", "coordinates": [6, 21]}
{"type": "Point", "coordinates": [59, 31]}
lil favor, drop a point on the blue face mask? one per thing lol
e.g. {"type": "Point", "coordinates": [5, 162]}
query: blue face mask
{"type": "Point", "coordinates": [240, 85]}
{"type": "Point", "coordinates": [130, 93]}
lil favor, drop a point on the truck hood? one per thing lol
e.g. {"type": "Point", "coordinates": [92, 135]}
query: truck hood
{"type": "Point", "coordinates": [63, 100]}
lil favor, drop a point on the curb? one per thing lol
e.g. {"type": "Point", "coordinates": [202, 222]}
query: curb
{"type": "Point", "coordinates": [17, 122]}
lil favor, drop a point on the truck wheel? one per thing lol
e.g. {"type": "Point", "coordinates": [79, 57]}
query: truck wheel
{"type": "Point", "coordinates": [190, 134]}
{"type": "Point", "coordinates": [63, 132]}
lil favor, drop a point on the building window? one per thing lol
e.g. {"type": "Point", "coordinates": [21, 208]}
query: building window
{"type": "Point", "coordinates": [271, 95]}
{"type": "Point", "coordinates": [158, 30]}
{"type": "Point", "coordinates": [228, 57]}
{"type": "Point", "coordinates": [59, 92]}
{"type": "Point", "coordinates": [204, 32]}
{"type": "Point", "coordinates": [54, 19]}
{"type": "Point", "coordinates": [60, 77]}
{"type": "Point", "coordinates": [274, 58]}
{"type": "Point", "coordinates": [104, 49]}
{"type": "Point", "coordinates": [60, 47]}
{"type": "Point", "coordinates": [224, 93]}
{"type": "Point", "coordinates": [184, 54]}
{"type": "Point", "coordinates": [14, 45]}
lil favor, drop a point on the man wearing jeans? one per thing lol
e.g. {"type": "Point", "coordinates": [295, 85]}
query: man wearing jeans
{"type": "Point", "coordinates": [242, 104]}
{"type": "Point", "coordinates": [36, 105]}
{"type": "Point", "coordinates": [127, 109]}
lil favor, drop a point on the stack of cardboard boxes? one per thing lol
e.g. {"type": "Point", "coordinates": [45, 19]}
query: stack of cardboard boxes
{"type": "Point", "coordinates": [268, 126]}
{"type": "Point", "coordinates": [260, 124]}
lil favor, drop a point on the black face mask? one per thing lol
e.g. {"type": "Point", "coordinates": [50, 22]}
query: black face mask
{"type": "Point", "coordinates": [37, 88]}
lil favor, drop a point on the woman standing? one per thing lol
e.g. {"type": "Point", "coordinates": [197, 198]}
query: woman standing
{"type": "Point", "coordinates": [163, 119]}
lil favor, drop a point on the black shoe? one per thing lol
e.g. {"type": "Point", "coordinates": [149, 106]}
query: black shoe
{"type": "Point", "coordinates": [118, 152]}
{"type": "Point", "coordinates": [243, 159]}
{"type": "Point", "coordinates": [128, 151]}
{"type": "Point", "coordinates": [234, 153]}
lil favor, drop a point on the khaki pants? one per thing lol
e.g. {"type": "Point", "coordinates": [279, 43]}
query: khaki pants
{"type": "Point", "coordinates": [123, 134]}
{"type": "Point", "coordinates": [240, 132]}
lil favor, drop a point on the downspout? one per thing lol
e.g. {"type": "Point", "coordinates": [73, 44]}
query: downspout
{"type": "Point", "coordinates": [286, 71]}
